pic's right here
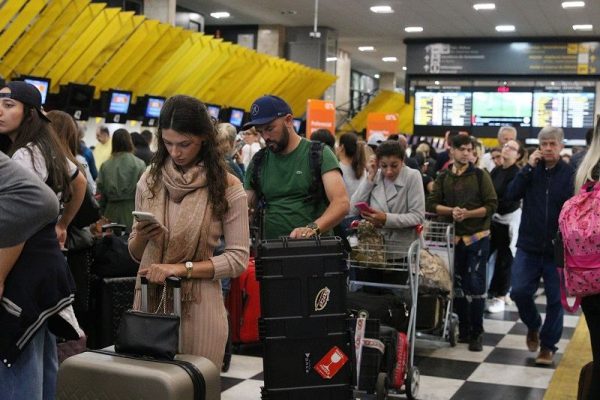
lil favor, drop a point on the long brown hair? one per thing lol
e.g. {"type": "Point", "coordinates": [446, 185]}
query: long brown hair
{"type": "Point", "coordinates": [40, 133]}
{"type": "Point", "coordinates": [354, 149]}
{"type": "Point", "coordinates": [67, 132]}
{"type": "Point", "coordinates": [188, 115]}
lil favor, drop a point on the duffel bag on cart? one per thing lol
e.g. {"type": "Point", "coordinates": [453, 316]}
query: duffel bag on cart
{"type": "Point", "coordinates": [390, 310]}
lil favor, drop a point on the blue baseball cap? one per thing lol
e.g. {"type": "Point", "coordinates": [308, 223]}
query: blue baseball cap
{"type": "Point", "coordinates": [267, 108]}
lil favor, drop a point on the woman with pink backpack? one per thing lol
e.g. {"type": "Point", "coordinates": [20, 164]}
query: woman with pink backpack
{"type": "Point", "coordinates": [579, 224]}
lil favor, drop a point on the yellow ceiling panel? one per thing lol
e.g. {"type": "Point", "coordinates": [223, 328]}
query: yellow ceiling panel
{"type": "Point", "coordinates": [67, 39]}
{"type": "Point", "coordinates": [78, 55]}
{"type": "Point", "coordinates": [200, 59]}
{"type": "Point", "coordinates": [106, 45]}
{"type": "Point", "coordinates": [221, 86]}
{"type": "Point", "coordinates": [55, 19]}
{"type": "Point", "coordinates": [179, 65]}
{"type": "Point", "coordinates": [236, 85]}
{"type": "Point", "coordinates": [129, 61]}
{"type": "Point", "coordinates": [8, 11]}
{"type": "Point", "coordinates": [31, 37]}
{"type": "Point", "coordinates": [19, 24]}
{"type": "Point", "coordinates": [160, 54]}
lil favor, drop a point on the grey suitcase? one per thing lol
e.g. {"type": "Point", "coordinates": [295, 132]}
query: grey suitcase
{"type": "Point", "coordinates": [104, 374]}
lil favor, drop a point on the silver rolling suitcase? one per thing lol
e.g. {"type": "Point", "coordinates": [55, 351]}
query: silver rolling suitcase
{"type": "Point", "coordinates": [104, 374]}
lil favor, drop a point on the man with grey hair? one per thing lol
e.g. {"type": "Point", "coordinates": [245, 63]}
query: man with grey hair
{"type": "Point", "coordinates": [544, 184]}
{"type": "Point", "coordinates": [505, 134]}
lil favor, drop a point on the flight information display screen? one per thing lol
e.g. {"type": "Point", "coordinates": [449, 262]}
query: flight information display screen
{"type": "Point", "coordinates": [443, 108]}
{"type": "Point", "coordinates": [563, 109]}
{"type": "Point", "coordinates": [502, 107]}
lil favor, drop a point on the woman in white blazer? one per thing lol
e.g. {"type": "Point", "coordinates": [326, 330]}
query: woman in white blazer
{"type": "Point", "coordinates": [394, 193]}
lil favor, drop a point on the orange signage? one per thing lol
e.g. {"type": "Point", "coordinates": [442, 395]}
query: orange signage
{"type": "Point", "coordinates": [382, 123]}
{"type": "Point", "coordinates": [320, 114]}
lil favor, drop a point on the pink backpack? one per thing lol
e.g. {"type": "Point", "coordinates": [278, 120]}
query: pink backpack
{"type": "Point", "coordinates": [579, 224]}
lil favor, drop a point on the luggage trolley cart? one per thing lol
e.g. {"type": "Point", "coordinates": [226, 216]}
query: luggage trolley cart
{"type": "Point", "coordinates": [438, 239]}
{"type": "Point", "coordinates": [393, 266]}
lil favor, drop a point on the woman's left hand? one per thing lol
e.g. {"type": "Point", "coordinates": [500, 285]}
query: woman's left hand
{"type": "Point", "coordinates": [376, 217]}
{"type": "Point", "coordinates": [158, 273]}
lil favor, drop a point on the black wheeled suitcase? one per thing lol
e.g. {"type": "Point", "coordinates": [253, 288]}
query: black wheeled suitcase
{"type": "Point", "coordinates": [104, 374]}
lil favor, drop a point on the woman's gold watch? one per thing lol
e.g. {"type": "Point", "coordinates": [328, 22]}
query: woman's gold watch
{"type": "Point", "coordinates": [189, 266]}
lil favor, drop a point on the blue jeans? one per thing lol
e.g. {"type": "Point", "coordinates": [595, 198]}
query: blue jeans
{"type": "Point", "coordinates": [527, 269]}
{"type": "Point", "coordinates": [470, 264]}
{"type": "Point", "coordinates": [33, 375]}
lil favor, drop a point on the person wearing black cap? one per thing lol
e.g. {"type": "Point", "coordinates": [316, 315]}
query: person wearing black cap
{"type": "Point", "coordinates": [35, 145]}
{"type": "Point", "coordinates": [283, 181]}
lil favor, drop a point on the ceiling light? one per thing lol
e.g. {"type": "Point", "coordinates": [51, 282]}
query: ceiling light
{"type": "Point", "coordinates": [220, 14]}
{"type": "Point", "coordinates": [583, 27]}
{"type": "Point", "coordinates": [413, 29]}
{"type": "Point", "coordinates": [389, 59]}
{"type": "Point", "coordinates": [376, 76]}
{"type": "Point", "coordinates": [330, 59]}
{"type": "Point", "coordinates": [404, 68]}
{"type": "Point", "coordinates": [437, 82]}
{"type": "Point", "coordinates": [505, 28]}
{"type": "Point", "coordinates": [573, 4]}
{"type": "Point", "coordinates": [484, 6]}
{"type": "Point", "coordinates": [366, 48]}
{"type": "Point", "coordinates": [382, 9]}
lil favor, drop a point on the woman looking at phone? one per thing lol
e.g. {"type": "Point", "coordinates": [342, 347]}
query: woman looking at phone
{"type": "Point", "coordinates": [190, 193]}
{"type": "Point", "coordinates": [393, 192]}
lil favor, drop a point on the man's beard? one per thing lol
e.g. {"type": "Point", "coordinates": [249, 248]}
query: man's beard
{"type": "Point", "coordinates": [278, 147]}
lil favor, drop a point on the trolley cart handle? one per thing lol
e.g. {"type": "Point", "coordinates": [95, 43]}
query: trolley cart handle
{"type": "Point", "coordinates": [175, 283]}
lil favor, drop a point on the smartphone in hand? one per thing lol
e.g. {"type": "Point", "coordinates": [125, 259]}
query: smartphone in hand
{"type": "Point", "coordinates": [144, 216]}
{"type": "Point", "coordinates": [363, 206]}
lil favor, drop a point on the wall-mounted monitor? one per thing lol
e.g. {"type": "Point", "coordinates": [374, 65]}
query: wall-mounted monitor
{"type": "Point", "coordinates": [42, 84]}
{"type": "Point", "coordinates": [447, 106]}
{"type": "Point", "coordinates": [118, 101]}
{"type": "Point", "coordinates": [213, 110]}
{"type": "Point", "coordinates": [78, 100]}
{"type": "Point", "coordinates": [567, 109]}
{"type": "Point", "coordinates": [236, 117]}
{"type": "Point", "coordinates": [502, 106]}
{"type": "Point", "coordinates": [153, 106]}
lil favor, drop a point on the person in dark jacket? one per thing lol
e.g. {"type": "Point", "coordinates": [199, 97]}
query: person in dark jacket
{"type": "Point", "coordinates": [465, 195]}
{"type": "Point", "coordinates": [35, 285]}
{"type": "Point", "coordinates": [544, 185]}
{"type": "Point", "coordinates": [505, 226]}
{"type": "Point", "coordinates": [141, 148]}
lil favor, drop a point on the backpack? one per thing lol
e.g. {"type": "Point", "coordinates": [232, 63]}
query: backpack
{"type": "Point", "coordinates": [579, 224]}
{"type": "Point", "coordinates": [316, 191]}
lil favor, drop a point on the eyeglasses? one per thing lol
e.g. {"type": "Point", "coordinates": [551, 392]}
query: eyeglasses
{"type": "Point", "coordinates": [508, 146]}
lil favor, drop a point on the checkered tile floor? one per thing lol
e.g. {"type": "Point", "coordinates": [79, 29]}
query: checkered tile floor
{"type": "Point", "coordinates": [505, 369]}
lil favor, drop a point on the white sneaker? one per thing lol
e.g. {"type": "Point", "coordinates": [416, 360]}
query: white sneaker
{"type": "Point", "coordinates": [496, 305]}
{"type": "Point", "coordinates": [508, 300]}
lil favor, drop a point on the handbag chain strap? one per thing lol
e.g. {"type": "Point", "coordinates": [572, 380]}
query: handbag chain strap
{"type": "Point", "coordinates": [163, 300]}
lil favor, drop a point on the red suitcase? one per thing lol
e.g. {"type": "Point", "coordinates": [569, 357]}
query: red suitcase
{"type": "Point", "coordinates": [243, 305]}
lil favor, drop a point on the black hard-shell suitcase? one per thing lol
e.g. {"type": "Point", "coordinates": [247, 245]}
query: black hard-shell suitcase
{"type": "Point", "coordinates": [104, 374]}
{"type": "Point", "coordinates": [303, 318]}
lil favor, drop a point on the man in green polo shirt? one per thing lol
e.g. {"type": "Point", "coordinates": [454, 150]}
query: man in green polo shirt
{"type": "Point", "coordinates": [285, 177]}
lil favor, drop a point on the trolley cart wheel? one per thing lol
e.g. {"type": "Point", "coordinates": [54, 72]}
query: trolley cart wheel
{"type": "Point", "coordinates": [412, 383]}
{"type": "Point", "coordinates": [453, 332]}
{"type": "Point", "coordinates": [381, 387]}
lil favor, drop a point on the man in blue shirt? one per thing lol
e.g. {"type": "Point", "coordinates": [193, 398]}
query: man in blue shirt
{"type": "Point", "coordinates": [544, 184]}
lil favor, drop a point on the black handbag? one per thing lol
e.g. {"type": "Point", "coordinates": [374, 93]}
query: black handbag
{"type": "Point", "coordinates": [89, 211]}
{"type": "Point", "coordinates": [79, 238]}
{"type": "Point", "coordinates": [149, 334]}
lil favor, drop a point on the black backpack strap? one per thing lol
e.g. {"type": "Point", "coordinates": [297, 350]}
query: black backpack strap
{"type": "Point", "coordinates": [316, 191]}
